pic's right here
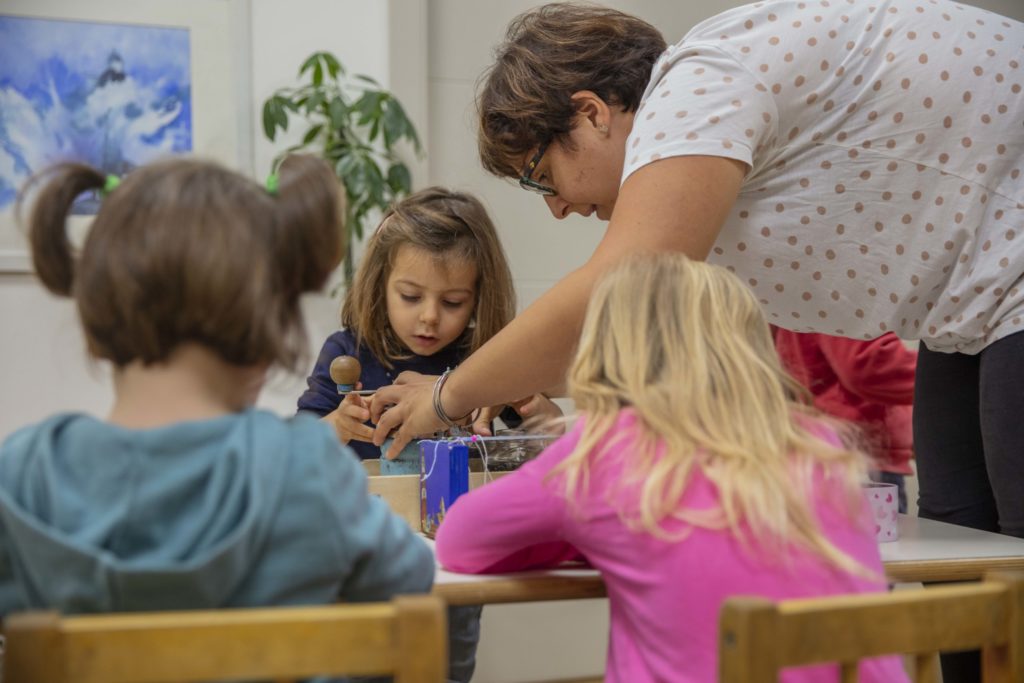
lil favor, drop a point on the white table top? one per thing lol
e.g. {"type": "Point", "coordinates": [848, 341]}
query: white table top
{"type": "Point", "coordinates": [926, 551]}
{"type": "Point", "coordinates": [928, 540]}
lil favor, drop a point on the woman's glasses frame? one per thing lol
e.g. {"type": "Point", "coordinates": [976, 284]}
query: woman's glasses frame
{"type": "Point", "coordinates": [528, 183]}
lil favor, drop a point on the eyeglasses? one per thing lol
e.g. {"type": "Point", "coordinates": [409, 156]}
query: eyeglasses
{"type": "Point", "coordinates": [530, 185]}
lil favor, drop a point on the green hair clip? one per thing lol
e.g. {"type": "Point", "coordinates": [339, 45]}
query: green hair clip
{"type": "Point", "coordinates": [273, 183]}
{"type": "Point", "coordinates": [110, 184]}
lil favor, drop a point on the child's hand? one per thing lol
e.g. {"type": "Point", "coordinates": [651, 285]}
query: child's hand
{"type": "Point", "coordinates": [348, 418]}
{"type": "Point", "coordinates": [482, 424]}
{"type": "Point", "coordinates": [538, 408]}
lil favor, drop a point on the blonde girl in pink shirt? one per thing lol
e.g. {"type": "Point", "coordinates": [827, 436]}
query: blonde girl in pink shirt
{"type": "Point", "coordinates": [691, 475]}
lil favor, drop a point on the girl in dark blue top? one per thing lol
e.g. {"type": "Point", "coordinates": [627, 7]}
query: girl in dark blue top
{"type": "Point", "coordinates": [431, 288]}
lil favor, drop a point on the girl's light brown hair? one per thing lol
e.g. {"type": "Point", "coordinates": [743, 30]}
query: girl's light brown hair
{"type": "Point", "coordinates": [548, 54]}
{"type": "Point", "coordinates": [451, 226]}
{"type": "Point", "coordinates": [685, 345]}
{"type": "Point", "coordinates": [188, 251]}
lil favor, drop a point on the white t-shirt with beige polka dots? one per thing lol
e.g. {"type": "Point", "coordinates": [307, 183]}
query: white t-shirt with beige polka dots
{"type": "Point", "coordinates": [885, 141]}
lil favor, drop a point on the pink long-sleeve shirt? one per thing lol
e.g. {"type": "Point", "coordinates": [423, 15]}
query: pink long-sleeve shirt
{"type": "Point", "coordinates": [664, 596]}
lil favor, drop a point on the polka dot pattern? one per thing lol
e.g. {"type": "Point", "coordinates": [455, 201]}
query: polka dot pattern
{"type": "Point", "coordinates": [886, 150]}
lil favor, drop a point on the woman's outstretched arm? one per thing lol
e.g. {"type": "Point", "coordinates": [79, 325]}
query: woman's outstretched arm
{"type": "Point", "coordinates": [675, 204]}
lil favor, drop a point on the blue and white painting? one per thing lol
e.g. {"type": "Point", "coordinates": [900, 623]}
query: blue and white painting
{"type": "Point", "coordinates": [115, 96]}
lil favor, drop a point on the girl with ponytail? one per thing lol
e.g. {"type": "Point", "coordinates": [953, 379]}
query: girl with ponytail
{"type": "Point", "coordinates": [184, 495]}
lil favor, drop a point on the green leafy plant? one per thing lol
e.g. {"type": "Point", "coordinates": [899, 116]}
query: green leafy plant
{"type": "Point", "coordinates": [353, 124]}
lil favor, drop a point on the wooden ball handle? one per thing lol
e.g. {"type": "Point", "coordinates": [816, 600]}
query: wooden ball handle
{"type": "Point", "coordinates": [345, 371]}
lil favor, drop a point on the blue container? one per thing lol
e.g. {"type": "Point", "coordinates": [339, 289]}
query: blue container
{"type": "Point", "coordinates": [407, 462]}
{"type": "Point", "coordinates": [444, 478]}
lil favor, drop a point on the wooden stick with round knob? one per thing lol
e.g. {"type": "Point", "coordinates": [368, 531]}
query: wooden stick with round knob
{"type": "Point", "coordinates": [345, 371]}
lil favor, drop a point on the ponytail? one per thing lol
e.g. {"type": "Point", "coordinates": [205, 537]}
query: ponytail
{"type": "Point", "coordinates": [309, 203]}
{"type": "Point", "coordinates": [52, 255]}
{"type": "Point", "coordinates": [187, 251]}
{"type": "Point", "coordinates": [306, 244]}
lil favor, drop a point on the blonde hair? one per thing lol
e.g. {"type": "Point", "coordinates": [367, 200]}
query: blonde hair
{"type": "Point", "coordinates": [686, 346]}
{"type": "Point", "coordinates": [451, 226]}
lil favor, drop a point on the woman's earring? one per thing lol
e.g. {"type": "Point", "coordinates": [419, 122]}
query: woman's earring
{"type": "Point", "coordinates": [603, 128]}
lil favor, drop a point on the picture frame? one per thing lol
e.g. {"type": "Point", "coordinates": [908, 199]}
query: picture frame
{"type": "Point", "coordinates": [217, 96]}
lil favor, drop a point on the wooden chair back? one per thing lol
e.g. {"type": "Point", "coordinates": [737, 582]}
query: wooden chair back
{"type": "Point", "coordinates": [759, 637]}
{"type": "Point", "coordinates": [406, 638]}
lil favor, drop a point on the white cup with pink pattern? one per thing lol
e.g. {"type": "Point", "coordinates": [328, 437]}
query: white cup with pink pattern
{"type": "Point", "coordinates": [885, 510]}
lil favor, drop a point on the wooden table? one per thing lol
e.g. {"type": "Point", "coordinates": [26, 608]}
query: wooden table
{"type": "Point", "coordinates": [927, 551]}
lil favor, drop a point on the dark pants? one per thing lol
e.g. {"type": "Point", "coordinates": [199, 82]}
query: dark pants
{"type": "Point", "coordinates": [463, 636]}
{"type": "Point", "coordinates": [969, 445]}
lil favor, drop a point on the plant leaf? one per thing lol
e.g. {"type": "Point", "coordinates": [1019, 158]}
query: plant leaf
{"type": "Point", "coordinates": [310, 62]}
{"type": "Point", "coordinates": [349, 171]}
{"type": "Point", "coordinates": [368, 106]}
{"type": "Point", "coordinates": [269, 120]}
{"type": "Point", "coordinates": [395, 122]}
{"type": "Point", "coordinates": [333, 65]}
{"type": "Point", "coordinates": [399, 178]}
{"type": "Point", "coordinates": [338, 113]}
{"type": "Point", "coordinates": [408, 130]}
{"type": "Point", "coordinates": [318, 73]}
{"type": "Point", "coordinates": [367, 79]}
{"type": "Point", "coordinates": [312, 133]}
{"type": "Point", "coordinates": [280, 114]}
{"type": "Point", "coordinates": [314, 102]}
{"type": "Point", "coordinates": [374, 181]}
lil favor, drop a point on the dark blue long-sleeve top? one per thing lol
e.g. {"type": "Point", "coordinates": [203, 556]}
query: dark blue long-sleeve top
{"type": "Point", "coordinates": [321, 396]}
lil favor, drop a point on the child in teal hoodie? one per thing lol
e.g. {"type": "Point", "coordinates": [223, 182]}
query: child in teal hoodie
{"type": "Point", "coordinates": [184, 495]}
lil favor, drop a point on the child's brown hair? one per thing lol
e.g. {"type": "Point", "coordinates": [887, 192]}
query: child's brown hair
{"type": "Point", "coordinates": [186, 250]}
{"type": "Point", "coordinates": [448, 225]}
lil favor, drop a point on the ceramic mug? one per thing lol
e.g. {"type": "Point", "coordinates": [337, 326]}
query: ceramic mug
{"type": "Point", "coordinates": [885, 506]}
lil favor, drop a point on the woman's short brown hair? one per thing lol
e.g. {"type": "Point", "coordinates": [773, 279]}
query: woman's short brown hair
{"type": "Point", "coordinates": [188, 251]}
{"type": "Point", "coordinates": [448, 225]}
{"type": "Point", "coordinates": [550, 53]}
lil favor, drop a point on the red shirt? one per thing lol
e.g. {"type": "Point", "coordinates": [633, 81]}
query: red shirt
{"type": "Point", "coordinates": [870, 383]}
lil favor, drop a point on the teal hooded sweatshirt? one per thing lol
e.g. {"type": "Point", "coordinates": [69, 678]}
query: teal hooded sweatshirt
{"type": "Point", "coordinates": [242, 510]}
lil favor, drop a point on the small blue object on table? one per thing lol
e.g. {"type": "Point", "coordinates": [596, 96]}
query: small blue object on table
{"type": "Point", "coordinates": [444, 476]}
{"type": "Point", "coordinates": [406, 462]}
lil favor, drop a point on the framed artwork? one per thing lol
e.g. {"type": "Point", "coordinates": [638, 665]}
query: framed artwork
{"type": "Point", "coordinates": [115, 84]}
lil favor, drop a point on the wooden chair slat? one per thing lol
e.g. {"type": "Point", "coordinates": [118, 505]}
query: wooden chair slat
{"type": "Point", "coordinates": [758, 637]}
{"type": "Point", "coordinates": [406, 637]}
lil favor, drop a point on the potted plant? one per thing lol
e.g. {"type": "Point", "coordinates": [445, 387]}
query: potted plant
{"type": "Point", "coordinates": [356, 126]}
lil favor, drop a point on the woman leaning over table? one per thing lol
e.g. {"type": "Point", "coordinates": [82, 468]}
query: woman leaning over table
{"type": "Point", "coordinates": [857, 163]}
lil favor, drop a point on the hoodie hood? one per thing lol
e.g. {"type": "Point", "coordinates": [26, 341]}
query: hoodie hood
{"type": "Point", "coordinates": [99, 518]}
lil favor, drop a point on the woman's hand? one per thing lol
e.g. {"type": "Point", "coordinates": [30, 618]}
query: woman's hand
{"type": "Point", "coordinates": [348, 418]}
{"type": "Point", "coordinates": [407, 407]}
